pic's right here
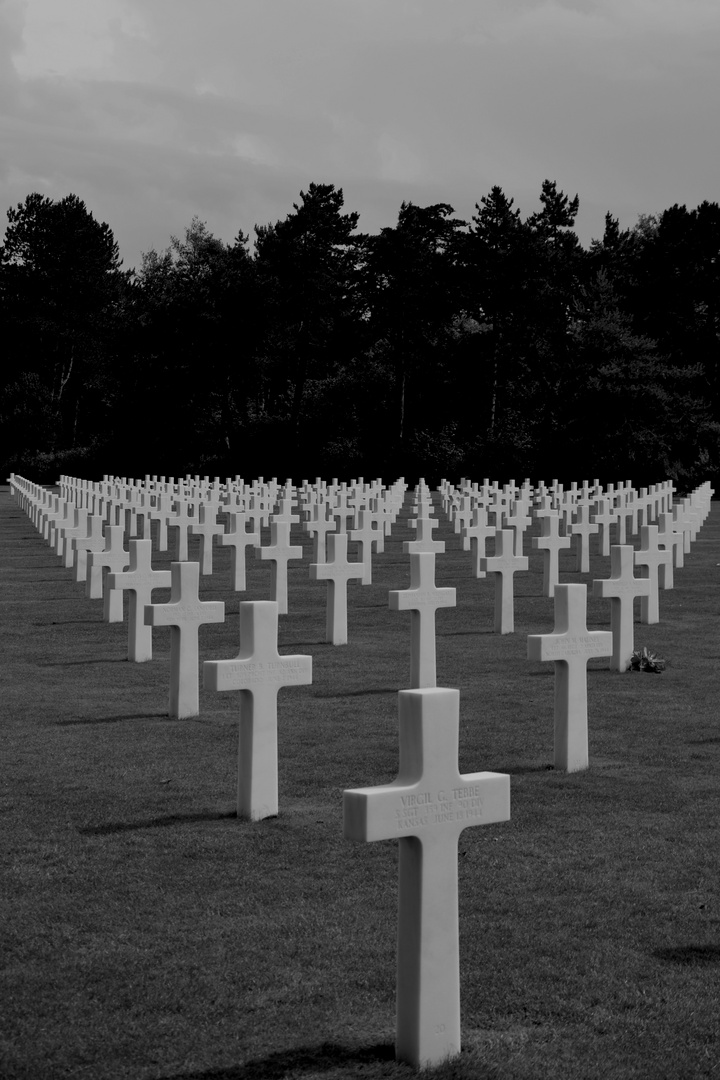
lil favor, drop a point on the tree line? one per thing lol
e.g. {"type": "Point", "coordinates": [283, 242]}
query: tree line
{"type": "Point", "coordinates": [437, 347]}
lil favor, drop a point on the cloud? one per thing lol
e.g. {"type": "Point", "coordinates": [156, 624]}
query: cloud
{"type": "Point", "coordinates": [153, 112]}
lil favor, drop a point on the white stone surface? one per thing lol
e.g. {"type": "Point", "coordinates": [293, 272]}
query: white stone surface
{"type": "Point", "coordinates": [258, 671]}
{"type": "Point", "coordinates": [425, 809]}
{"type": "Point", "coordinates": [139, 579]}
{"type": "Point", "coordinates": [184, 614]}
{"type": "Point", "coordinates": [366, 535]}
{"type": "Point", "coordinates": [92, 541]}
{"type": "Point", "coordinates": [422, 600]}
{"type": "Point", "coordinates": [551, 543]}
{"type": "Point", "coordinates": [206, 528]}
{"type": "Point", "coordinates": [478, 533]}
{"type": "Point", "coordinates": [504, 565]}
{"type": "Point", "coordinates": [581, 529]}
{"type": "Point", "coordinates": [651, 558]}
{"type": "Point", "coordinates": [112, 559]}
{"type": "Point", "coordinates": [278, 553]}
{"type": "Point", "coordinates": [620, 589]}
{"type": "Point", "coordinates": [238, 539]}
{"type": "Point", "coordinates": [569, 647]}
{"type": "Point", "coordinates": [336, 571]}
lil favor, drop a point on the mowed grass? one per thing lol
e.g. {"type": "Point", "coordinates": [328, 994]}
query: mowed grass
{"type": "Point", "coordinates": [147, 933]}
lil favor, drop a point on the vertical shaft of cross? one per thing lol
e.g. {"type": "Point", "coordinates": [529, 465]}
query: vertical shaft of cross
{"type": "Point", "coordinates": [423, 656]}
{"type": "Point", "coordinates": [257, 774]}
{"type": "Point", "coordinates": [572, 750]}
{"type": "Point", "coordinates": [184, 650]}
{"type": "Point", "coordinates": [422, 1022]}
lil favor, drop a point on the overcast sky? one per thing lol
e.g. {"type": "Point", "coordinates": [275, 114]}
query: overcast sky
{"type": "Point", "coordinates": [153, 111]}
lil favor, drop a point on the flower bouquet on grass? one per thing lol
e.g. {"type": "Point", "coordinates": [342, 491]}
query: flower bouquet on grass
{"type": "Point", "coordinates": [646, 661]}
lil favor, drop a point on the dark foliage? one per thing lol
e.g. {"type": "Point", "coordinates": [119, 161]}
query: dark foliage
{"type": "Point", "coordinates": [498, 347]}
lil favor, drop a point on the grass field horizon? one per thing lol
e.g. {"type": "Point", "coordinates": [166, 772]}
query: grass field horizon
{"type": "Point", "coordinates": [148, 933]}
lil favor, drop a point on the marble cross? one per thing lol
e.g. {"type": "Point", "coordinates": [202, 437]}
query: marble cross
{"type": "Point", "coordinates": [184, 614]}
{"type": "Point", "coordinates": [112, 558]}
{"type": "Point", "coordinates": [337, 571]}
{"type": "Point", "coordinates": [140, 579]}
{"type": "Point", "coordinates": [258, 671]}
{"type": "Point", "coordinates": [366, 535]}
{"type": "Point", "coordinates": [69, 533]}
{"type": "Point", "coordinates": [425, 809]}
{"type": "Point", "coordinates": [237, 538]}
{"type": "Point", "coordinates": [604, 517]}
{"type": "Point", "coordinates": [504, 565]}
{"type": "Point", "coordinates": [550, 542]}
{"type": "Point", "coordinates": [651, 558]}
{"type": "Point", "coordinates": [583, 528]}
{"type": "Point", "coordinates": [206, 528]}
{"type": "Point", "coordinates": [672, 541]}
{"type": "Point", "coordinates": [477, 534]}
{"type": "Point", "coordinates": [570, 646]}
{"type": "Point", "coordinates": [422, 600]}
{"type": "Point", "coordinates": [93, 541]}
{"type": "Point", "coordinates": [278, 552]}
{"type": "Point", "coordinates": [321, 523]}
{"type": "Point", "coordinates": [180, 521]}
{"type": "Point", "coordinates": [620, 589]}
{"type": "Point", "coordinates": [423, 537]}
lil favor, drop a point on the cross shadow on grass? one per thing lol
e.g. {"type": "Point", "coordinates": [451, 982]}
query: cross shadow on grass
{"type": "Point", "coordinates": [101, 660]}
{"type": "Point", "coordinates": [155, 823]}
{"type": "Point", "coordinates": [311, 1059]}
{"type": "Point", "coordinates": [71, 622]}
{"type": "Point", "coordinates": [112, 719]}
{"type": "Point", "coordinates": [523, 770]}
{"type": "Point", "coordinates": [360, 693]}
{"type": "Point", "coordinates": [690, 955]}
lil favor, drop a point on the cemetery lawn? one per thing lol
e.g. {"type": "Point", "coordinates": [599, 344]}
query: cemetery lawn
{"type": "Point", "coordinates": [147, 933]}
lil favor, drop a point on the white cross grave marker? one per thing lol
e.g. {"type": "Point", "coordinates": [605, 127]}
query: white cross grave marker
{"type": "Point", "coordinates": [518, 520]}
{"type": "Point", "coordinates": [504, 564]}
{"type": "Point", "coordinates": [113, 558]}
{"type": "Point", "coordinates": [423, 538]}
{"type": "Point", "coordinates": [620, 589]}
{"type": "Point", "coordinates": [69, 534]}
{"type": "Point", "coordinates": [366, 535]}
{"type": "Point", "coordinates": [258, 671]}
{"type": "Point", "coordinates": [318, 527]}
{"type": "Point", "coordinates": [570, 646]}
{"type": "Point", "coordinates": [237, 538]}
{"type": "Point", "coordinates": [605, 517]}
{"type": "Point", "coordinates": [184, 614]}
{"type": "Point", "coordinates": [181, 521]}
{"type": "Point", "coordinates": [478, 533]}
{"type": "Point", "coordinates": [425, 809]}
{"type": "Point", "coordinates": [673, 542]}
{"type": "Point", "coordinates": [550, 542]}
{"type": "Point", "coordinates": [583, 528]}
{"type": "Point", "coordinates": [93, 541]}
{"type": "Point", "coordinates": [422, 600]}
{"type": "Point", "coordinates": [140, 579]}
{"type": "Point", "coordinates": [278, 553]}
{"type": "Point", "coordinates": [651, 558]}
{"type": "Point", "coordinates": [337, 571]}
{"type": "Point", "coordinates": [206, 528]}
